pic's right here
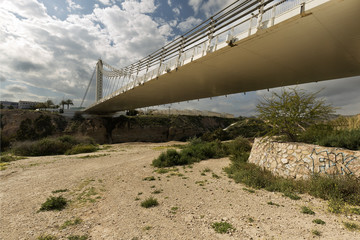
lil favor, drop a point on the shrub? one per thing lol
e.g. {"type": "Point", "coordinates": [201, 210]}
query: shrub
{"type": "Point", "coordinates": [78, 237]}
{"type": "Point", "coordinates": [43, 126]}
{"type": "Point", "coordinates": [82, 148]}
{"type": "Point", "coordinates": [54, 203]}
{"type": "Point", "coordinates": [7, 158]}
{"type": "Point", "coordinates": [316, 232]}
{"type": "Point", "coordinates": [43, 147]}
{"type": "Point", "coordinates": [195, 151]}
{"type": "Point", "coordinates": [150, 202]}
{"type": "Point", "coordinates": [222, 227]}
{"type": "Point", "coordinates": [349, 139]}
{"type": "Point", "coordinates": [318, 221]}
{"type": "Point", "coordinates": [351, 226]}
{"type": "Point", "coordinates": [26, 130]}
{"type": "Point", "coordinates": [46, 237]}
{"type": "Point", "coordinates": [307, 210]}
{"type": "Point", "coordinates": [53, 146]}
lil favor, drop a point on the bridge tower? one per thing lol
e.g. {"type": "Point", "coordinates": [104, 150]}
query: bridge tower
{"type": "Point", "coordinates": [99, 80]}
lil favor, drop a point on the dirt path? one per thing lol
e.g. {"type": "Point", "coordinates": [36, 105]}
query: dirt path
{"type": "Point", "coordinates": [107, 189]}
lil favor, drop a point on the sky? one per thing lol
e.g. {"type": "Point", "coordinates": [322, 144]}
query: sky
{"type": "Point", "coordinates": [48, 49]}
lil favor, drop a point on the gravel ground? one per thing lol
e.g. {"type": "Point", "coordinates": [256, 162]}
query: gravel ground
{"type": "Point", "coordinates": [105, 190]}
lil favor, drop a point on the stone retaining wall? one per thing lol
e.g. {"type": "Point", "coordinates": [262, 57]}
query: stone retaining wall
{"type": "Point", "coordinates": [299, 160]}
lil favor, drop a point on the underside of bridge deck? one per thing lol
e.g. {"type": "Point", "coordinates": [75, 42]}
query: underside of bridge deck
{"type": "Point", "coordinates": [320, 45]}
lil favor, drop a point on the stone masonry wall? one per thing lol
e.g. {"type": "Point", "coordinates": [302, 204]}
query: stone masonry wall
{"type": "Point", "coordinates": [299, 160]}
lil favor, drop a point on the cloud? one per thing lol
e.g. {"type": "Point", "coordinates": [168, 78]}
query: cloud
{"type": "Point", "coordinates": [30, 9]}
{"type": "Point", "coordinates": [72, 5]}
{"type": "Point", "coordinates": [195, 4]}
{"type": "Point", "coordinates": [213, 6]}
{"type": "Point", "coordinates": [144, 6]}
{"type": "Point", "coordinates": [26, 66]}
{"type": "Point", "coordinates": [169, 3]}
{"type": "Point", "coordinates": [106, 2]}
{"type": "Point", "coordinates": [60, 55]}
{"type": "Point", "coordinates": [176, 11]}
{"type": "Point", "coordinates": [189, 23]}
{"type": "Point", "coordinates": [16, 88]}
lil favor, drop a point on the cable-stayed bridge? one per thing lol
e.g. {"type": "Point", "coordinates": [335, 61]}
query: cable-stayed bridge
{"type": "Point", "coordinates": [249, 45]}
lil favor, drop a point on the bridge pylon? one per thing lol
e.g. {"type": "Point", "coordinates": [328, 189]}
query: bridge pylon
{"type": "Point", "coordinates": [99, 80]}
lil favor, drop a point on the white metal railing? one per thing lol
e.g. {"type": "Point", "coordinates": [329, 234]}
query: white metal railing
{"type": "Point", "coordinates": [237, 21]}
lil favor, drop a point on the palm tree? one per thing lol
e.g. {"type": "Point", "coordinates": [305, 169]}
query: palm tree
{"type": "Point", "coordinates": [69, 102]}
{"type": "Point", "coordinates": [62, 103]}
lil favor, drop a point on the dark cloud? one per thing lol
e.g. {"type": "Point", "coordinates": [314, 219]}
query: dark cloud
{"type": "Point", "coordinates": [2, 79]}
{"type": "Point", "coordinates": [7, 96]}
{"type": "Point", "coordinates": [27, 66]}
{"type": "Point", "coordinates": [16, 89]}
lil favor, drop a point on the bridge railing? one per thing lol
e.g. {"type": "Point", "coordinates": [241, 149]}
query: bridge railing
{"type": "Point", "coordinates": [237, 21]}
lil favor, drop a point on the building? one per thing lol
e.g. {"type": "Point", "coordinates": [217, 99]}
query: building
{"type": "Point", "coordinates": [8, 104]}
{"type": "Point", "coordinates": [27, 104]}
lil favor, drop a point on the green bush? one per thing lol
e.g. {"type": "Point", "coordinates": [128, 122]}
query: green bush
{"type": "Point", "coordinates": [307, 210]}
{"type": "Point", "coordinates": [53, 146]}
{"type": "Point", "coordinates": [222, 227]}
{"type": "Point", "coordinates": [82, 148]}
{"type": "Point", "coordinates": [318, 221]}
{"type": "Point", "coordinates": [78, 237]}
{"type": "Point", "coordinates": [150, 202]}
{"type": "Point", "coordinates": [349, 139]}
{"type": "Point", "coordinates": [43, 147]}
{"type": "Point", "coordinates": [54, 203]}
{"type": "Point", "coordinates": [46, 237]}
{"type": "Point", "coordinates": [195, 151]}
{"type": "Point", "coordinates": [325, 135]}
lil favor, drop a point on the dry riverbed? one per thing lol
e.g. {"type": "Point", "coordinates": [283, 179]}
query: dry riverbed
{"type": "Point", "coordinates": [106, 188]}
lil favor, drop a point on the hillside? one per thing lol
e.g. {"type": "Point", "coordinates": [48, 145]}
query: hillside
{"type": "Point", "coordinates": [145, 128]}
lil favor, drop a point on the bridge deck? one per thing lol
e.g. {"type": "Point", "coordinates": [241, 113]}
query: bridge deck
{"type": "Point", "coordinates": [321, 45]}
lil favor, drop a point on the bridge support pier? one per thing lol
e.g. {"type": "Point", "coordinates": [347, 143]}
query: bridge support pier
{"type": "Point", "coordinates": [99, 80]}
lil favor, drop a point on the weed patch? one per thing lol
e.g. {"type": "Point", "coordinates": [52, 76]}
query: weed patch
{"type": "Point", "coordinates": [195, 151]}
{"type": "Point", "coordinates": [318, 221]}
{"type": "Point", "coordinates": [222, 227]}
{"type": "Point", "coordinates": [54, 203]}
{"type": "Point", "coordinates": [351, 226]}
{"type": "Point", "coordinates": [249, 190]}
{"type": "Point", "coordinates": [151, 178]}
{"type": "Point", "coordinates": [273, 204]}
{"type": "Point", "coordinates": [46, 237]}
{"type": "Point", "coordinates": [307, 210]}
{"type": "Point", "coordinates": [316, 233]}
{"type": "Point", "coordinates": [68, 223]}
{"type": "Point", "coordinates": [150, 202]}
{"type": "Point", "coordinates": [78, 237]}
{"type": "Point", "coordinates": [60, 191]}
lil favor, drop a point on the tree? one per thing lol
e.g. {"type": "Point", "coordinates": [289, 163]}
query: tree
{"type": "Point", "coordinates": [49, 103]}
{"type": "Point", "coordinates": [62, 103]}
{"type": "Point", "coordinates": [69, 102]}
{"type": "Point", "coordinates": [292, 112]}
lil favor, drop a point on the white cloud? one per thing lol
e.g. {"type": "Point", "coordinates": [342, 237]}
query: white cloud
{"type": "Point", "coordinates": [72, 5]}
{"type": "Point", "coordinates": [106, 2]}
{"type": "Point", "coordinates": [195, 4]}
{"type": "Point", "coordinates": [169, 3]}
{"type": "Point", "coordinates": [25, 8]}
{"type": "Point", "coordinates": [213, 6]}
{"type": "Point", "coordinates": [189, 23]}
{"type": "Point", "coordinates": [134, 6]}
{"type": "Point", "coordinates": [176, 11]}
{"type": "Point", "coordinates": [60, 55]}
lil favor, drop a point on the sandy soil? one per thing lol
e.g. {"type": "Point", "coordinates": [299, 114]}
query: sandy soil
{"type": "Point", "coordinates": [106, 191]}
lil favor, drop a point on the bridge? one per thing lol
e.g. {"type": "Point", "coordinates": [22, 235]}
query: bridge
{"type": "Point", "coordinates": [250, 45]}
